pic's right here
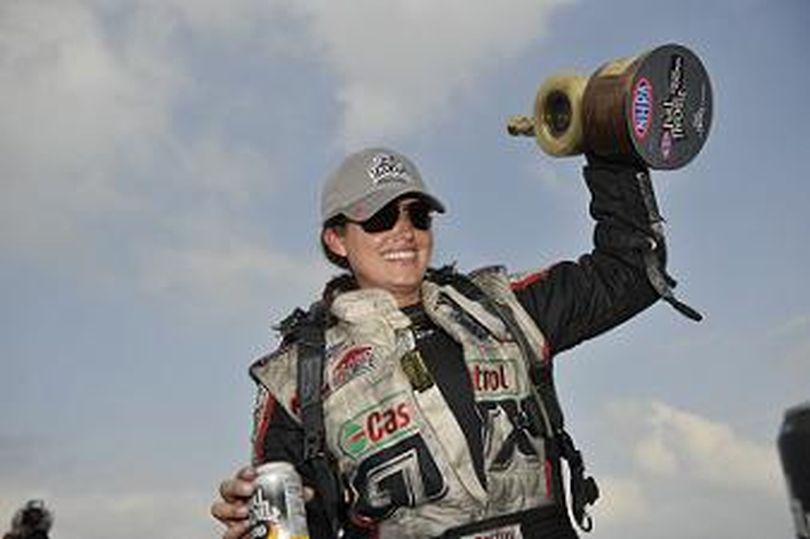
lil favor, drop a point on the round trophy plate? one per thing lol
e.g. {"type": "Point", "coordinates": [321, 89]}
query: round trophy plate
{"type": "Point", "coordinates": [668, 107]}
{"type": "Point", "coordinates": [654, 108]}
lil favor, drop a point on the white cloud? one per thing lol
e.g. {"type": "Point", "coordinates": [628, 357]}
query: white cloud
{"type": "Point", "coordinates": [98, 172]}
{"type": "Point", "coordinates": [74, 107]}
{"type": "Point", "coordinates": [677, 474]}
{"type": "Point", "coordinates": [401, 64]}
{"type": "Point", "coordinates": [95, 154]}
{"type": "Point", "coordinates": [654, 456]}
{"type": "Point", "coordinates": [679, 443]}
{"type": "Point", "coordinates": [624, 501]}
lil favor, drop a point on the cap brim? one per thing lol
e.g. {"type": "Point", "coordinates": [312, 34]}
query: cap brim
{"type": "Point", "coordinates": [368, 206]}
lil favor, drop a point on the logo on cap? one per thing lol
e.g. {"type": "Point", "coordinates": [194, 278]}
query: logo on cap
{"type": "Point", "coordinates": [387, 168]}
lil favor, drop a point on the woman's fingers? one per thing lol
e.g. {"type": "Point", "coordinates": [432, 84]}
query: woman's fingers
{"type": "Point", "coordinates": [227, 512]}
{"type": "Point", "coordinates": [232, 510]}
{"type": "Point", "coordinates": [234, 490]}
{"type": "Point", "coordinates": [248, 473]}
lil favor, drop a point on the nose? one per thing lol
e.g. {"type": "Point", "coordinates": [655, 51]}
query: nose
{"type": "Point", "coordinates": [404, 224]}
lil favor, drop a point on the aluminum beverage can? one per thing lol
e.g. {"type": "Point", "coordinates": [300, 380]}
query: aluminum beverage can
{"type": "Point", "coordinates": [277, 507]}
{"type": "Point", "coordinates": [794, 451]}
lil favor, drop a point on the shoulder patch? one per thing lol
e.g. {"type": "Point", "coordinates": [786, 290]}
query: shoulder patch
{"type": "Point", "coordinates": [351, 363]}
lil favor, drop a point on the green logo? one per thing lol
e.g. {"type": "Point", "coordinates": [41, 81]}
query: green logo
{"type": "Point", "coordinates": [378, 426]}
{"type": "Point", "coordinates": [354, 438]}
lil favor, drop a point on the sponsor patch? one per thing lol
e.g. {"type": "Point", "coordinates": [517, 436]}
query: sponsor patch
{"type": "Point", "coordinates": [504, 532]}
{"type": "Point", "coordinates": [414, 368]}
{"type": "Point", "coordinates": [494, 377]}
{"type": "Point", "coordinates": [377, 427]}
{"type": "Point", "coordinates": [387, 168]}
{"type": "Point", "coordinates": [642, 107]}
{"type": "Point", "coordinates": [354, 362]}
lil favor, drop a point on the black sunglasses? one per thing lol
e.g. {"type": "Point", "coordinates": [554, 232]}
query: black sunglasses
{"type": "Point", "coordinates": [419, 213]}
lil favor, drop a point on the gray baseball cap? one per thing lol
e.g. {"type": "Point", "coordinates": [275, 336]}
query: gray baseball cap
{"type": "Point", "coordinates": [368, 180]}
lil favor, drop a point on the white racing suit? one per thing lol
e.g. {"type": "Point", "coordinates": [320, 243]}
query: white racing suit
{"type": "Point", "coordinates": [406, 463]}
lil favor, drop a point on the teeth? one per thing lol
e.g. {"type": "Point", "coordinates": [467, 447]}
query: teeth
{"type": "Point", "coordinates": [400, 255]}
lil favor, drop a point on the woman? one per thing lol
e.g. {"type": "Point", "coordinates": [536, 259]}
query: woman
{"type": "Point", "coordinates": [438, 409]}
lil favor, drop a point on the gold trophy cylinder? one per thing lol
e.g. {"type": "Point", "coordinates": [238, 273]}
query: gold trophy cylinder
{"type": "Point", "coordinates": [655, 108]}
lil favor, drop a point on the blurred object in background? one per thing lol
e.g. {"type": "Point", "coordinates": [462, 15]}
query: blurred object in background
{"type": "Point", "coordinates": [794, 450]}
{"type": "Point", "coordinates": [31, 521]}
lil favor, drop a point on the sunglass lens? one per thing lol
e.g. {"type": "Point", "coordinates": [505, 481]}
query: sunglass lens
{"type": "Point", "coordinates": [385, 219]}
{"type": "Point", "coordinates": [419, 214]}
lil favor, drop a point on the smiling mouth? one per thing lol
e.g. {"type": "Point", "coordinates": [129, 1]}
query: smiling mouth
{"type": "Point", "coordinates": [400, 255]}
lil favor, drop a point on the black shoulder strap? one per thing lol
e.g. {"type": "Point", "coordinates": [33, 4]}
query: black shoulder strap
{"type": "Point", "coordinates": [584, 490]}
{"type": "Point", "coordinates": [309, 335]}
{"type": "Point", "coordinates": [657, 275]}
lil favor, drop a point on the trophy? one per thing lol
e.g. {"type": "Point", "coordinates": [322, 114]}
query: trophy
{"type": "Point", "coordinates": [655, 108]}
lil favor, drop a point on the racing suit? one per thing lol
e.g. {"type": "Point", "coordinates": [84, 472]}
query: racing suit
{"type": "Point", "coordinates": [430, 413]}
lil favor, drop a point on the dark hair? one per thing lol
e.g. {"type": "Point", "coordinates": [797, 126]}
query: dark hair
{"type": "Point", "coordinates": [32, 521]}
{"type": "Point", "coordinates": [344, 281]}
{"type": "Point", "coordinates": [337, 222]}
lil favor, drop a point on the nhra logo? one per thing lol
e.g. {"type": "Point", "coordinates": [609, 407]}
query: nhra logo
{"type": "Point", "coordinates": [642, 107]}
{"type": "Point", "coordinates": [376, 428]}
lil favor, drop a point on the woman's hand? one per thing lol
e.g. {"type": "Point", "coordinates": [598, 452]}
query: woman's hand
{"type": "Point", "coordinates": [232, 509]}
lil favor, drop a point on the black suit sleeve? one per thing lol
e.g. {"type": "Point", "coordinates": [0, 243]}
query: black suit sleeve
{"type": "Point", "coordinates": [575, 300]}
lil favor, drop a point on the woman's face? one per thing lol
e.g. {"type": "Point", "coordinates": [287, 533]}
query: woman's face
{"type": "Point", "coordinates": [395, 259]}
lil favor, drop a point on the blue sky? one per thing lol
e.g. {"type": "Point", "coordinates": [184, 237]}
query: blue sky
{"type": "Point", "coordinates": [161, 164]}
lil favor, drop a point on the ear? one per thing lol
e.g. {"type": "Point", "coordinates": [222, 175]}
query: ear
{"type": "Point", "coordinates": [334, 241]}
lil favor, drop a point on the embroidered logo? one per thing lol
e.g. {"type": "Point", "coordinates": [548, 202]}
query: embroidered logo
{"type": "Point", "coordinates": [352, 363]}
{"type": "Point", "coordinates": [387, 168]}
{"type": "Point", "coordinates": [494, 377]}
{"type": "Point", "coordinates": [377, 427]}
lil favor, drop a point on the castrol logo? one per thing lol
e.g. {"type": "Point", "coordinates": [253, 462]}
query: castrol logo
{"type": "Point", "coordinates": [494, 377]}
{"type": "Point", "coordinates": [377, 427]}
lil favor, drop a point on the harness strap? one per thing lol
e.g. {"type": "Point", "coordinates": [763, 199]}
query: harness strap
{"type": "Point", "coordinates": [658, 277]}
{"type": "Point", "coordinates": [309, 333]}
{"type": "Point", "coordinates": [584, 490]}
